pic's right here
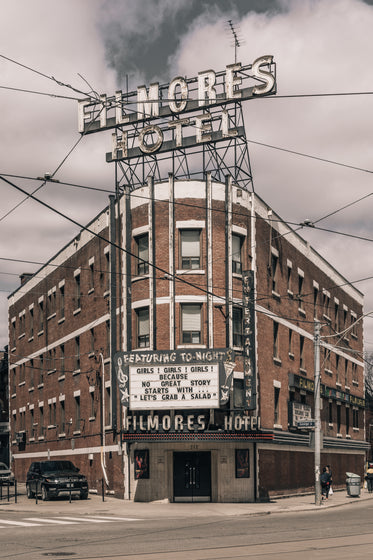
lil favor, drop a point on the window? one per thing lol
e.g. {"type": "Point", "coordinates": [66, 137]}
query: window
{"type": "Point", "coordinates": [276, 405]}
{"type": "Point", "coordinates": [347, 421]}
{"type": "Point", "coordinates": [326, 303]}
{"type": "Point", "coordinates": [276, 353]}
{"type": "Point", "coordinates": [191, 324]}
{"type": "Point", "coordinates": [237, 242]}
{"type": "Point", "coordinates": [300, 291]}
{"type": "Point", "coordinates": [274, 270]}
{"type": "Point", "coordinates": [32, 424]}
{"type": "Point", "coordinates": [62, 360]}
{"type": "Point", "coordinates": [31, 369]}
{"type": "Point", "coordinates": [92, 413]}
{"type": "Point", "coordinates": [238, 393]}
{"type": "Point", "coordinates": [77, 291]}
{"type": "Point", "coordinates": [51, 303]}
{"type": "Point", "coordinates": [41, 316]}
{"type": "Point", "coordinates": [289, 277]}
{"type": "Point", "coordinates": [13, 333]}
{"type": "Point", "coordinates": [142, 252]}
{"type": "Point", "coordinates": [51, 366]}
{"type": "Point", "coordinates": [302, 364]}
{"type": "Point", "coordinates": [327, 360]}
{"type": "Point", "coordinates": [355, 418]}
{"type": "Point", "coordinates": [62, 301]}
{"type": "Point", "coordinates": [107, 332]}
{"type": "Point", "coordinates": [77, 354]}
{"type": "Point", "coordinates": [91, 277]}
{"type": "Point", "coordinates": [107, 276]}
{"type": "Point", "coordinates": [336, 315]}
{"type": "Point", "coordinates": [337, 362]}
{"type": "Point", "coordinates": [107, 406]}
{"type": "Point", "coordinates": [190, 249]}
{"type": "Point", "coordinates": [353, 325]}
{"type": "Point", "coordinates": [52, 414]}
{"type": "Point", "coordinates": [315, 301]}
{"type": "Point", "coordinates": [62, 417]}
{"type": "Point", "coordinates": [291, 349]}
{"type": "Point", "coordinates": [354, 374]}
{"type": "Point", "coordinates": [41, 370]}
{"type": "Point", "coordinates": [338, 418]}
{"type": "Point", "coordinates": [237, 327]}
{"type": "Point", "coordinates": [143, 327]}
{"type": "Point", "coordinates": [77, 413]}
{"type": "Point", "coordinates": [92, 341]}
{"type": "Point", "coordinates": [41, 421]}
{"type": "Point", "coordinates": [31, 319]}
{"type": "Point", "coordinates": [346, 372]}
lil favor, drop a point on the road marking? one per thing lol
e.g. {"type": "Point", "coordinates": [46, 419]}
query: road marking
{"type": "Point", "coordinates": [51, 520]}
{"type": "Point", "coordinates": [19, 523]}
{"type": "Point", "coordinates": [115, 518]}
{"type": "Point", "coordinates": [87, 519]}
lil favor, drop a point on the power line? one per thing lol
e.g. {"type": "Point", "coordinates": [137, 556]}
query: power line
{"type": "Point", "coordinates": [40, 93]}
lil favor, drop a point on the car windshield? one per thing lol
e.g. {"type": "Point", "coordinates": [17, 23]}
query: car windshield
{"type": "Point", "coordinates": [57, 466]}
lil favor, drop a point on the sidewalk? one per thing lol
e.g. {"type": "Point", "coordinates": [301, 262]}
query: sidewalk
{"type": "Point", "coordinates": [116, 507]}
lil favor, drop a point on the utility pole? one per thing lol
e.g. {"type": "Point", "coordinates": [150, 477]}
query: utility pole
{"type": "Point", "coordinates": [317, 328]}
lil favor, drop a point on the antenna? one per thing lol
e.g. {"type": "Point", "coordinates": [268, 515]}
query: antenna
{"type": "Point", "coordinates": [235, 38]}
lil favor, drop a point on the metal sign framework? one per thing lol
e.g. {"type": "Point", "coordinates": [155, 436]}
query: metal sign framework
{"type": "Point", "coordinates": [152, 126]}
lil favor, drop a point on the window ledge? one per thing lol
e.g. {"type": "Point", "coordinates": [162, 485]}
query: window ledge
{"type": "Point", "coordinates": [91, 291]}
{"type": "Point", "coordinates": [22, 384]}
{"type": "Point", "coordinates": [31, 439]}
{"type": "Point", "coordinates": [51, 316]}
{"type": "Point", "coordinates": [348, 436]}
{"type": "Point", "coordinates": [277, 426]}
{"type": "Point", "coordinates": [76, 432]}
{"type": "Point", "coordinates": [41, 385]}
{"type": "Point", "coordinates": [51, 426]}
{"type": "Point", "coordinates": [76, 372]}
{"type": "Point", "coordinates": [62, 320]}
{"type": "Point", "coordinates": [236, 275]}
{"type": "Point", "coordinates": [337, 384]}
{"type": "Point", "coordinates": [329, 372]}
{"type": "Point", "coordinates": [21, 336]}
{"type": "Point", "coordinates": [41, 332]}
{"type": "Point", "coordinates": [51, 371]}
{"type": "Point", "coordinates": [91, 418]}
{"type": "Point", "coordinates": [77, 310]}
{"type": "Point", "coordinates": [62, 435]}
{"type": "Point", "coordinates": [301, 311]}
{"type": "Point", "coordinates": [31, 389]}
{"type": "Point", "coordinates": [107, 294]}
{"type": "Point", "coordinates": [276, 295]}
{"type": "Point", "coordinates": [144, 277]}
{"type": "Point", "coordinates": [291, 355]}
{"type": "Point", "coordinates": [31, 338]}
{"type": "Point", "coordinates": [91, 355]}
{"type": "Point", "coordinates": [61, 377]}
{"type": "Point", "coordinates": [355, 429]}
{"type": "Point", "coordinates": [354, 336]}
{"type": "Point", "coordinates": [355, 383]}
{"type": "Point", "coordinates": [187, 271]}
{"type": "Point", "coordinates": [303, 371]}
{"type": "Point", "coordinates": [191, 346]}
{"type": "Point", "coordinates": [40, 438]}
{"type": "Point", "coordinates": [347, 388]}
{"type": "Point", "coordinates": [339, 435]}
{"type": "Point", "coordinates": [330, 425]}
{"type": "Point", "coordinates": [290, 293]}
{"type": "Point", "coordinates": [327, 318]}
{"type": "Point", "coordinates": [13, 395]}
{"type": "Point", "coordinates": [277, 361]}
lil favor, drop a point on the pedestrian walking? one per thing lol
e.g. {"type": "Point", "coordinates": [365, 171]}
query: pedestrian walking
{"type": "Point", "coordinates": [369, 477]}
{"type": "Point", "coordinates": [329, 470]}
{"type": "Point", "coordinates": [325, 484]}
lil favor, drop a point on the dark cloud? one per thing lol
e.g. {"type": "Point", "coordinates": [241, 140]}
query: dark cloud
{"type": "Point", "coordinates": [140, 37]}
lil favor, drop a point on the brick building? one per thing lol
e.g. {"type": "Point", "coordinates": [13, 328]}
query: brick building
{"type": "Point", "coordinates": [153, 290]}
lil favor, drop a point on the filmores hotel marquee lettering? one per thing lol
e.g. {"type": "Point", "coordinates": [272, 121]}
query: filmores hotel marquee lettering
{"type": "Point", "coordinates": [156, 119]}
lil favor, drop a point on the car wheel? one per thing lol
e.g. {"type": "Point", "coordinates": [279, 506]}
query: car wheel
{"type": "Point", "coordinates": [30, 494]}
{"type": "Point", "coordinates": [44, 494]}
{"type": "Point", "coordinates": [84, 496]}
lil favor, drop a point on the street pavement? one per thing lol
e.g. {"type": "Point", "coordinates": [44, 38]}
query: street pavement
{"type": "Point", "coordinates": [163, 509]}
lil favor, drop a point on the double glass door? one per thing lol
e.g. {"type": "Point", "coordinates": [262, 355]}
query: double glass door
{"type": "Point", "coordinates": [192, 476]}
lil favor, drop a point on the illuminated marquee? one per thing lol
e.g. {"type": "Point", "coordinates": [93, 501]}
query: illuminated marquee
{"type": "Point", "coordinates": [156, 119]}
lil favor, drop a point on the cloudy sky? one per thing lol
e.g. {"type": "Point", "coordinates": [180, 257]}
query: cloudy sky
{"type": "Point", "coordinates": [320, 47]}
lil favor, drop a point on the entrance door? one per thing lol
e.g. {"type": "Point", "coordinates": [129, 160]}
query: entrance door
{"type": "Point", "coordinates": [192, 476]}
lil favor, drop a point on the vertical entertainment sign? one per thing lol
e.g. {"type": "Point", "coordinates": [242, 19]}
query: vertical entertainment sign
{"type": "Point", "coordinates": [249, 362]}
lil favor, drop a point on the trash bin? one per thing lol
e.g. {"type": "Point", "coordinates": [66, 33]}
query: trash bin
{"type": "Point", "coordinates": [353, 482]}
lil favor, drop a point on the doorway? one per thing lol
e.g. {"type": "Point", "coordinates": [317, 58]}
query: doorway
{"type": "Point", "coordinates": [192, 476]}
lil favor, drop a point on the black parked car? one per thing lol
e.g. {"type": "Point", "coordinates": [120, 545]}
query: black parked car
{"type": "Point", "coordinates": [52, 478]}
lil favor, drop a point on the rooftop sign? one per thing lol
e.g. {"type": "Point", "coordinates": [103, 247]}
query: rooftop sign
{"type": "Point", "coordinates": [155, 119]}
